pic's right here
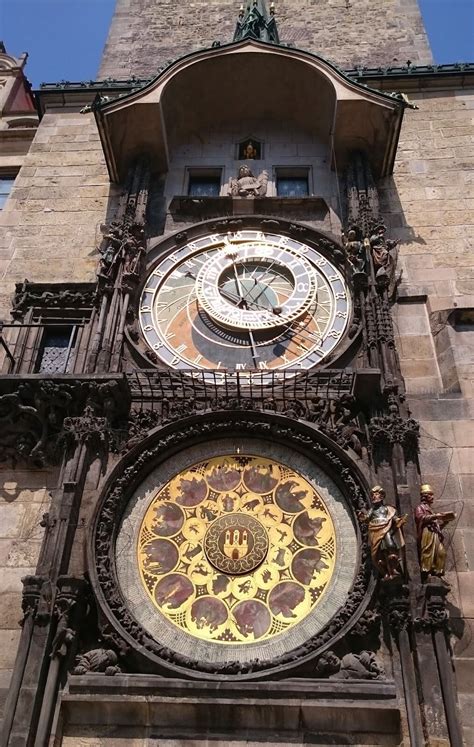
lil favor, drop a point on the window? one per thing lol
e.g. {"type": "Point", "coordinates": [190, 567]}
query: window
{"type": "Point", "coordinates": [54, 355]}
{"type": "Point", "coordinates": [6, 184]}
{"type": "Point", "coordinates": [204, 183]}
{"type": "Point", "coordinates": [292, 182]}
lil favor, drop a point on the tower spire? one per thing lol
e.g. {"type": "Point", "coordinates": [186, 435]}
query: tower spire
{"type": "Point", "coordinates": [256, 22]}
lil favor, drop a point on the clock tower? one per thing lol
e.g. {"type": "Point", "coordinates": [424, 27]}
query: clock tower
{"type": "Point", "coordinates": [236, 550]}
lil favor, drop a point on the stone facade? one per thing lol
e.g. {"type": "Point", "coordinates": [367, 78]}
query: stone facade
{"type": "Point", "coordinates": [144, 37]}
{"type": "Point", "coordinates": [429, 205]}
{"type": "Point", "coordinates": [51, 222]}
{"type": "Point", "coordinates": [62, 199]}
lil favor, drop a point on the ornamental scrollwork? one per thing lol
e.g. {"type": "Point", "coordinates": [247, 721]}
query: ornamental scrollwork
{"type": "Point", "coordinates": [31, 295]}
{"type": "Point", "coordinates": [336, 417]}
{"type": "Point", "coordinates": [39, 417]}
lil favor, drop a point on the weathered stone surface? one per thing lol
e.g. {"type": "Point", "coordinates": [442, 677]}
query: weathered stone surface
{"type": "Point", "coordinates": [371, 32]}
{"type": "Point", "coordinates": [46, 202]}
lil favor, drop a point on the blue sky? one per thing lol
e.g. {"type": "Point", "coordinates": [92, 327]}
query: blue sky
{"type": "Point", "coordinates": [64, 38]}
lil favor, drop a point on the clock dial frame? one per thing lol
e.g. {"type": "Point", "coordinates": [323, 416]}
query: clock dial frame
{"type": "Point", "coordinates": [245, 301]}
{"type": "Point", "coordinates": [176, 542]}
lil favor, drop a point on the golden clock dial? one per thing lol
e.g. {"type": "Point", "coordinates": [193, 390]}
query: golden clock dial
{"type": "Point", "coordinates": [244, 301]}
{"type": "Point", "coordinates": [236, 549]}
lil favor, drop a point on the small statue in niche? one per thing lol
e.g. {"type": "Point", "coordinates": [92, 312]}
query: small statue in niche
{"type": "Point", "coordinates": [381, 249]}
{"type": "Point", "coordinates": [249, 150]}
{"type": "Point", "coordinates": [355, 251]}
{"type": "Point", "coordinates": [385, 535]}
{"type": "Point", "coordinates": [247, 185]}
{"type": "Point", "coordinates": [429, 526]}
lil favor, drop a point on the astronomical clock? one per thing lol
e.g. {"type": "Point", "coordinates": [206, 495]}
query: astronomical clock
{"type": "Point", "coordinates": [247, 300]}
{"type": "Point", "coordinates": [237, 543]}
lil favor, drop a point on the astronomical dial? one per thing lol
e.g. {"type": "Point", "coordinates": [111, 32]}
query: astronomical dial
{"type": "Point", "coordinates": [244, 301]}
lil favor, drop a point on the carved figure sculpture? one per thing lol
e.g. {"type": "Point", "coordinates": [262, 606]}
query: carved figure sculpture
{"type": "Point", "coordinates": [97, 660]}
{"type": "Point", "coordinates": [429, 526]}
{"type": "Point", "coordinates": [381, 251]}
{"type": "Point", "coordinates": [111, 250]}
{"type": "Point", "coordinates": [355, 251]}
{"type": "Point", "coordinates": [247, 185]}
{"type": "Point", "coordinates": [385, 535]}
{"type": "Point", "coordinates": [251, 26]}
{"type": "Point", "coordinates": [363, 666]}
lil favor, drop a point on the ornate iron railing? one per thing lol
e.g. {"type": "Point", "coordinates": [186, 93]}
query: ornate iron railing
{"type": "Point", "coordinates": [152, 389]}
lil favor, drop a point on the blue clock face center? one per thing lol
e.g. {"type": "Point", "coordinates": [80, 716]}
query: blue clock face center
{"type": "Point", "coordinates": [255, 294]}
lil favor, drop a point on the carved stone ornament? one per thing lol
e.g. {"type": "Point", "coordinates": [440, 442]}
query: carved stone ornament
{"type": "Point", "coordinates": [69, 609]}
{"type": "Point", "coordinates": [87, 428]}
{"type": "Point", "coordinates": [32, 415]}
{"type": "Point", "coordinates": [32, 587]}
{"type": "Point", "coordinates": [115, 615]}
{"type": "Point", "coordinates": [436, 614]}
{"type": "Point", "coordinates": [46, 296]}
{"type": "Point", "coordinates": [363, 666]}
{"type": "Point", "coordinates": [395, 607]}
{"type": "Point", "coordinates": [335, 416]}
{"type": "Point", "coordinates": [99, 660]}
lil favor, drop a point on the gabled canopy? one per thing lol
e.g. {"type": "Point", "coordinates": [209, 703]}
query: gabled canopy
{"type": "Point", "coordinates": [247, 79]}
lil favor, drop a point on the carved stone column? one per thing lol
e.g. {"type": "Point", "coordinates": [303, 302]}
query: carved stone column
{"type": "Point", "coordinates": [397, 610]}
{"type": "Point", "coordinates": [120, 270]}
{"type": "Point", "coordinates": [32, 592]}
{"type": "Point", "coordinates": [49, 599]}
{"type": "Point", "coordinates": [435, 623]}
{"type": "Point", "coordinates": [69, 609]}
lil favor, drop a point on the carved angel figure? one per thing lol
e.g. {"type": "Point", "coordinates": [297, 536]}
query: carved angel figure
{"type": "Point", "coordinates": [247, 185]}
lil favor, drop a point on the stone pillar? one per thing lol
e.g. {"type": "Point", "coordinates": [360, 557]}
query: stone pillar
{"type": "Point", "coordinates": [51, 602]}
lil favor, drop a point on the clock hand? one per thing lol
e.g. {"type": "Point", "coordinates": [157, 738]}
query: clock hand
{"type": "Point", "coordinates": [252, 275]}
{"type": "Point", "coordinates": [255, 355]}
{"type": "Point", "coordinates": [289, 327]}
{"type": "Point", "coordinates": [242, 303]}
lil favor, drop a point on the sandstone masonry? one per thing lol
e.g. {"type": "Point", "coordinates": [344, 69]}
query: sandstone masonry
{"type": "Point", "coordinates": [145, 35]}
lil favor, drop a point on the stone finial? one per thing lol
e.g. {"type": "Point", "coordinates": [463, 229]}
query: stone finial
{"type": "Point", "coordinates": [256, 22]}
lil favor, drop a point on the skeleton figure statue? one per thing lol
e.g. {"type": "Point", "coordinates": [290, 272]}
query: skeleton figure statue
{"type": "Point", "coordinates": [385, 535]}
{"type": "Point", "coordinates": [247, 185]}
